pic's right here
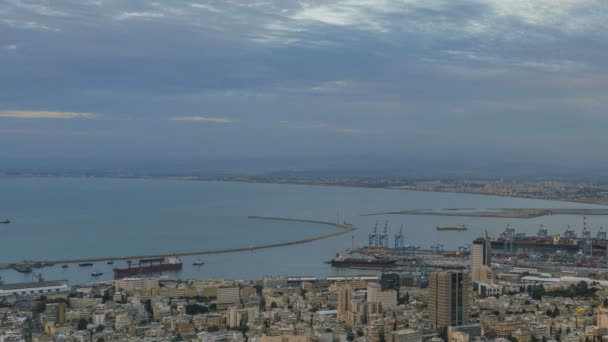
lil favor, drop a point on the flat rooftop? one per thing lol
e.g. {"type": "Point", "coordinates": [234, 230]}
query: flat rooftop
{"type": "Point", "coordinates": [50, 283]}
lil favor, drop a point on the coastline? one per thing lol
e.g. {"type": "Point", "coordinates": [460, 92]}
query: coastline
{"type": "Point", "coordinates": [300, 183]}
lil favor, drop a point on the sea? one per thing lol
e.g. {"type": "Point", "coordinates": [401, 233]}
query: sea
{"type": "Point", "coordinates": [59, 218]}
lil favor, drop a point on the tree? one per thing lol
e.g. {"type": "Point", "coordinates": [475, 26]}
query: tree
{"type": "Point", "coordinates": [273, 305]}
{"type": "Point", "coordinates": [99, 328]}
{"type": "Point", "coordinates": [82, 324]}
{"type": "Point", "coordinates": [101, 339]}
{"type": "Point", "coordinates": [194, 309]}
{"type": "Point", "coordinates": [556, 312]}
{"type": "Point", "coordinates": [243, 327]}
{"type": "Point", "coordinates": [258, 289]}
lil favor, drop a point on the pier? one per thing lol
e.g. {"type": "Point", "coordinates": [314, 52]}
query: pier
{"type": "Point", "coordinates": [343, 229]}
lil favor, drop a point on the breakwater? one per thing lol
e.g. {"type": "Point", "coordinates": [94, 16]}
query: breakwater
{"type": "Point", "coordinates": [343, 229]}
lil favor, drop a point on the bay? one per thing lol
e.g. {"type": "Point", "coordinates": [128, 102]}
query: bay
{"type": "Point", "coordinates": [55, 218]}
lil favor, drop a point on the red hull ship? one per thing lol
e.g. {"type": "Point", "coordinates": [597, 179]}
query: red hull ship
{"type": "Point", "coordinates": [149, 266]}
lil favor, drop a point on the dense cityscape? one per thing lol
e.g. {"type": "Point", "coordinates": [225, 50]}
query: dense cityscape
{"type": "Point", "coordinates": [303, 171]}
{"type": "Point", "coordinates": [478, 293]}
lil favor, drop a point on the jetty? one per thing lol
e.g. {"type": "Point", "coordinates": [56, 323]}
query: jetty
{"type": "Point", "coordinates": [343, 228]}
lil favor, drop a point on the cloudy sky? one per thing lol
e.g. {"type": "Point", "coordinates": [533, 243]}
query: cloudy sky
{"type": "Point", "coordinates": [489, 78]}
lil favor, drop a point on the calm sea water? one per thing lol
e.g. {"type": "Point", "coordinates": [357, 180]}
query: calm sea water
{"type": "Point", "coordinates": [56, 218]}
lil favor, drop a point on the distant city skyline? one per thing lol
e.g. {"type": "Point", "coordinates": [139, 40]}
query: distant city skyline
{"type": "Point", "coordinates": [488, 80]}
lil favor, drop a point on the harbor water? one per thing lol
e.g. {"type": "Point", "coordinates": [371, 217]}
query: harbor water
{"type": "Point", "coordinates": [58, 218]}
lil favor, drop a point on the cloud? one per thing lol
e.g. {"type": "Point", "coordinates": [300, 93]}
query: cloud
{"type": "Point", "coordinates": [205, 119]}
{"type": "Point", "coordinates": [29, 25]}
{"type": "Point", "coordinates": [25, 114]}
{"type": "Point", "coordinates": [142, 15]}
{"type": "Point", "coordinates": [347, 130]}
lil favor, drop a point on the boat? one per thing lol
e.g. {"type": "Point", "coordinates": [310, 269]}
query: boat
{"type": "Point", "coordinates": [7, 221]}
{"type": "Point", "coordinates": [171, 263]}
{"type": "Point", "coordinates": [367, 262]}
{"type": "Point", "coordinates": [96, 274]}
{"type": "Point", "coordinates": [198, 262]}
{"type": "Point", "coordinates": [85, 264]}
{"type": "Point", "coordinates": [64, 266]}
{"type": "Point", "coordinates": [110, 262]}
{"type": "Point", "coordinates": [458, 227]}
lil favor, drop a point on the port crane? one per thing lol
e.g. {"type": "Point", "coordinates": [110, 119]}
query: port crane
{"type": "Point", "coordinates": [508, 235]}
{"type": "Point", "coordinates": [569, 233]}
{"type": "Point", "coordinates": [438, 248]}
{"type": "Point", "coordinates": [383, 238]}
{"type": "Point", "coordinates": [38, 276]}
{"type": "Point", "coordinates": [373, 237]}
{"type": "Point", "coordinates": [400, 239]}
{"type": "Point", "coordinates": [586, 243]}
{"type": "Point", "coordinates": [542, 232]}
{"type": "Point", "coordinates": [601, 237]}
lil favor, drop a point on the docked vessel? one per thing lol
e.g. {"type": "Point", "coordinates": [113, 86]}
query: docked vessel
{"type": "Point", "coordinates": [85, 264]}
{"type": "Point", "coordinates": [458, 227]}
{"type": "Point", "coordinates": [367, 262]}
{"type": "Point", "coordinates": [7, 221]}
{"type": "Point", "coordinates": [96, 274]}
{"type": "Point", "coordinates": [171, 263]}
{"type": "Point", "coordinates": [567, 241]}
{"type": "Point", "coordinates": [64, 266]}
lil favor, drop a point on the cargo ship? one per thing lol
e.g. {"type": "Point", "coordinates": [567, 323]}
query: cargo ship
{"type": "Point", "coordinates": [171, 263]}
{"type": "Point", "coordinates": [458, 227]}
{"type": "Point", "coordinates": [367, 262]}
{"type": "Point", "coordinates": [568, 241]}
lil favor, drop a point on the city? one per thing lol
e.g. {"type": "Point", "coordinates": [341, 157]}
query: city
{"type": "Point", "coordinates": [303, 171]}
{"type": "Point", "coordinates": [479, 294]}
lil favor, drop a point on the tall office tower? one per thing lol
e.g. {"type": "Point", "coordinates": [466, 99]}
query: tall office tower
{"type": "Point", "coordinates": [387, 299]}
{"type": "Point", "coordinates": [344, 301]}
{"type": "Point", "coordinates": [55, 313]}
{"type": "Point", "coordinates": [481, 258]}
{"type": "Point", "coordinates": [448, 297]}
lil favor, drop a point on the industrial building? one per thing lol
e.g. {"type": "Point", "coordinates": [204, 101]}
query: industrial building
{"type": "Point", "coordinates": [37, 288]}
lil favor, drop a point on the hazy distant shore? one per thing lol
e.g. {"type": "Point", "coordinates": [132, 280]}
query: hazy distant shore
{"type": "Point", "coordinates": [400, 184]}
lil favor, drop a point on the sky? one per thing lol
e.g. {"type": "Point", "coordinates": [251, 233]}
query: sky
{"type": "Point", "coordinates": [477, 79]}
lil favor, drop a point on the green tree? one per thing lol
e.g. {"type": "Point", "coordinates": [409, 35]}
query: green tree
{"type": "Point", "coordinates": [194, 309]}
{"type": "Point", "coordinates": [273, 305]}
{"type": "Point", "coordinates": [99, 328]}
{"type": "Point", "coordinates": [82, 324]}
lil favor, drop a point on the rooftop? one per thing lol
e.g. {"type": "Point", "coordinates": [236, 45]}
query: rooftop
{"type": "Point", "coordinates": [38, 284]}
